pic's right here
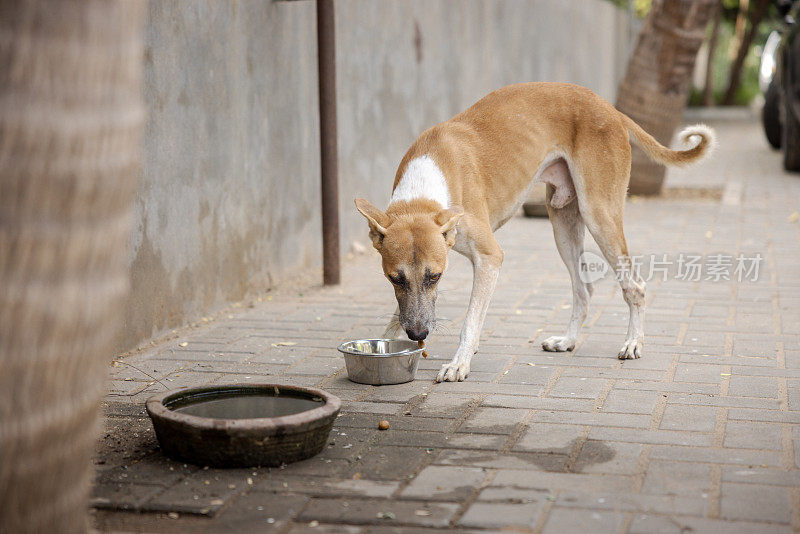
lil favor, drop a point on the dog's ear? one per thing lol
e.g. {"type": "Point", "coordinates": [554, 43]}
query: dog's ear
{"type": "Point", "coordinates": [447, 221]}
{"type": "Point", "coordinates": [378, 221]}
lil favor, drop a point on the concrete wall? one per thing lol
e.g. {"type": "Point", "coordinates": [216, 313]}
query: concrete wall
{"type": "Point", "coordinates": [229, 204]}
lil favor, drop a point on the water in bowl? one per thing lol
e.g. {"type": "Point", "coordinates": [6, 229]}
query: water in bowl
{"type": "Point", "coordinates": [246, 406]}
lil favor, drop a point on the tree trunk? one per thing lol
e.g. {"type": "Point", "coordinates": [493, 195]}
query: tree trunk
{"type": "Point", "coordinates": [708, 87]}
{"type": "Point", "coordinates": [754, 16]}
{"type": "Point", "coordinates": [70, 124]}
{"type": "Point", "coordinates": [655, 87]}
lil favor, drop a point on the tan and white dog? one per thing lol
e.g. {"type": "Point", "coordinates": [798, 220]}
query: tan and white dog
{"type": "Point", "coordinates": [464, 178]}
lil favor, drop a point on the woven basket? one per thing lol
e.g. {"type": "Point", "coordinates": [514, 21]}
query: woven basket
{"type": "Point", "coordinates": [70, 129]}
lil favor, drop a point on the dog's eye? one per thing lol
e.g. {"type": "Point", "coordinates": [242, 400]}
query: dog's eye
{"type": "Point", "coordinates": [432, 278]}
{"type": "Point", "coordinates": [399, 280]}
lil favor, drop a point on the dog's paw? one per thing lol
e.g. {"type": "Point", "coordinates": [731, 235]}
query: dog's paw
{"type": "Point", "coordinates": [558, 344]}
{"type": "Point", "coordinates": [453, 372]}
{"type": "Point", "coordinates": [631, 350]}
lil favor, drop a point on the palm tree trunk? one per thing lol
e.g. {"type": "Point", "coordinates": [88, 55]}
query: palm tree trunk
{"type": "Point", "coordinates": [754, 16]}
{"type": "Point", "coordinates": [70, 124]}
{"type": "Point", "coordinates": [708, 87]}
{"type": "Point", "coordinates": [655, 87]}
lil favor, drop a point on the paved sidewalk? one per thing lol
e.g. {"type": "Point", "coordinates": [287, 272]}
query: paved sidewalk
{"type": "Point", "coordinates": [700, 435]}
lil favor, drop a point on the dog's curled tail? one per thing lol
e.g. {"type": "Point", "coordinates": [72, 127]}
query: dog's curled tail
{"type": "Point", "coordinates": [664, 155]}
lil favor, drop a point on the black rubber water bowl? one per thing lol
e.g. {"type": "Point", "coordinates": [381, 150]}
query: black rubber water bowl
{"type": "Point", "coordinates": [243, 425]}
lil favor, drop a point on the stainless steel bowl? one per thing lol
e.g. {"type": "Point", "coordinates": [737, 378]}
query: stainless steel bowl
{"type": "Point", "coordinates": [381, 361]}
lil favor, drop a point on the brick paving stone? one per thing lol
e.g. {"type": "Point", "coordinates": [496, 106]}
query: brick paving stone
{"type": "Point", "coordinates": [753, 386]}
{"type": "Point", "coordinates": [514, 495]}
{"type": "Point", "coordinates": [493, 421]}
{"type": "Point", "coordinates": [753, 502]}
{"type": "Point", "coordinates": [439, 440]}
{"type": "Point", "coordinates": [724, 401]}
{"type": "Point", "coordinates": [389, 463]}
{"type": "Point", "coordinates": [608, 457]}
{"type": "Point", "coordinates": [768, 416]}
{"type": "Point", "coordinates": [752, 435]}
{"type": "Point", "coordinates": [546, 481]}
{"type": "Point", "coordinates": [544, 437]}
{"type": "Point", "coordinates": [715, 455]}
{"type": "Point", "coordinates": [630, 401]}
{"type": "Point", "coordinates": [123, 495]}
{"type": "Point", "coordinates": [578, 388]}
{"type": "Point", "coordinates": [655, 437]}
{"type": "Point", "coordinates": [544, 403]}
{"type": "Point", "coordinates": [444, 483]}
{"type": "Point", "coordinates": [527, 374]}
{"type": "Point", "coordinates": [650, 385]}
{"type": "Point", "coordinates": [444, 404]}
{"type": "Point", "coordinates": [676, 478]}
{"type": "Point", "coordinates": [561, 520]}
{"type": "Point", "coordinates": [499, 515]}
{"type": "Point", "coordinates": [324, 487]}
{"type": "Point", "coordinates": [316, 528]}
{"type": "Point", "coordinates": [380, 512]}
{"type": "Point", "coordinates": [654, 524]}
{"type": "Point", "coordinates": [387, 408]}
{"type": "Point", "coordinates": [775, 477]}
{"type": "Point", "coordinates": [691, 372]}
{"type": "Point", "coordinates": [204, 492]}
{"type": "Point", "coordinates": [317, 366]}
{"type": "Point", "coordinates": [691, 418]}
{"type": "Point", "coordinates": [630, 502]}
{"type": "Point", "coordinates": [495, 460]}
{"type": "Point", "coordinates": [398, 392]}
{"type": "Point", "coordinates": [587, 418]}
{"type": "Point", "coordinates": [260, 509]}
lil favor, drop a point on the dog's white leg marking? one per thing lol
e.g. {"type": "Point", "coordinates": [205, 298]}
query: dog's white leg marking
{"type": "Point", "coordinates": [393, 327]}
{"type": "Point", "coordinates": [485, 271]}
{"type": "Point", "coordinates": [568, 230]}
{"type": "Point", "coordinates": [633, 291]}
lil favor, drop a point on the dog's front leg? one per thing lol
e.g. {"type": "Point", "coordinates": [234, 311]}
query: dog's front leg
{"type": "Point", "coordinates": [485, 269]}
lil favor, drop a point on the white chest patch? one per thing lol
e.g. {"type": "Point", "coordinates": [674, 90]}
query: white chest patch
{"type": "Point", "coordinates": [422, 179]}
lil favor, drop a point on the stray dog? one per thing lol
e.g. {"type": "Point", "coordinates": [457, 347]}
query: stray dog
{"type": "Point", "coordinates": [464, 178]}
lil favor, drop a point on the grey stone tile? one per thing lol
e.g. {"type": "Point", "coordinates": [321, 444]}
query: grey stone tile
{"type": "Point", "coordinates": [691, 418]}
{"type": "Point", "coordinates": [752, 435]}
{"type": "Point", "coordinates": [379, 511]}
{"type": "Point", "coordinates": [549, 438]}
{"type": "Point", "coordinates": [578, 387]}
{"type": "Point", "coordinates": [631, 401]}
{"type": "Point", "coordinates": [444, 483]}
{"type": "Point", "coordinates": [561, 520]}
{"type": "Point", "coordinates": [500, 515]}
{"type": "Point", "coordinates": [676, 478]}
{"type": "Point", "coordinates": [493, 420]}
{"type": "Point", "coordinates": [754, 502]}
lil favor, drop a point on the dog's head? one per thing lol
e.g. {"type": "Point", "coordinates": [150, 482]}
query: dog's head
{"type": "Point", "coordinates": [413, 241]}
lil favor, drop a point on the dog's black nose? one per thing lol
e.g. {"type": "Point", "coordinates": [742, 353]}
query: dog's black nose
{"type": "Point", "coordinates": [417, 334]}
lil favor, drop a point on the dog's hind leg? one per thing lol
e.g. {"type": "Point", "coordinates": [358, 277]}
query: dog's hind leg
{"type": "Point", "coordinates": [568, 230]}
{"type": "Point", "coordinates": [604, 222]}
{"type": "Point", "coordinates": [606, 228]}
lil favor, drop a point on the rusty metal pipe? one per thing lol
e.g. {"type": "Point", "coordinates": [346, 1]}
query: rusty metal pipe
{"type": "Point", "coordinates": [326, 61]}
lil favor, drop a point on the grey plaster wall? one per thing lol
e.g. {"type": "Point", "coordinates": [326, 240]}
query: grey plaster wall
{"type": "Point", "coordinates": [405, 66]}
{"type": "Point", "coordinates": [229, 204]}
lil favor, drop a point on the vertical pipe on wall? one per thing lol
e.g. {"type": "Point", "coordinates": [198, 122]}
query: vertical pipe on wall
{"type": "Point", "coordinates": [328, 150]}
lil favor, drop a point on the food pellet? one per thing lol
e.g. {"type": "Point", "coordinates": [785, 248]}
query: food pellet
{"type": "Point", "coordinates": [421, 344]}
{"type": "Point", "coordinates": [383, 425]}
